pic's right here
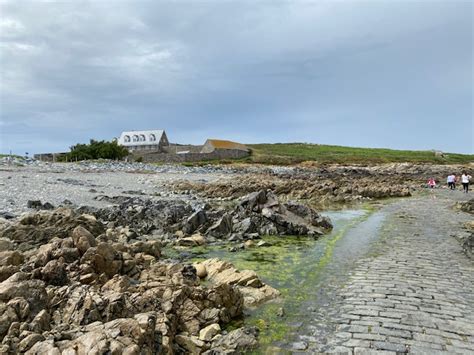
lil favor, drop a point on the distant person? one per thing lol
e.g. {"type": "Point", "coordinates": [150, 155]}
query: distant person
{"type": "Point", "coordinates": [452, 181]}
{"type": "Point", "coordinates": [465, 179]}
{"type": "Point", "coordinates": [431, 183]}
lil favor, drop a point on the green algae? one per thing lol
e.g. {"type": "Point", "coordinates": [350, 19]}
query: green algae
{"type": "Point", "coordinates": [291, 264]}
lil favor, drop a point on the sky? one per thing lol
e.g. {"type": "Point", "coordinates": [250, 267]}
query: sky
{"type": "Point", "coordinates": [394, 74]}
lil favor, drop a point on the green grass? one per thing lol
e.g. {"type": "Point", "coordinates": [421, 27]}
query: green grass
{"type": "Point", "coordinates": [294, 153]}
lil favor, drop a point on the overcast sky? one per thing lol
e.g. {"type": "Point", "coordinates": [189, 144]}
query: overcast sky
{"type": "Point", "coordinates": [394, 74]}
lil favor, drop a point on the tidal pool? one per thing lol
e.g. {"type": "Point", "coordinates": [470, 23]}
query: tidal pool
{"type": "Point", "coordinates": [307, 272]}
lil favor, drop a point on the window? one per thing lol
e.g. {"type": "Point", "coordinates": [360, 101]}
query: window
{"type": "Point", "coordinates": [142, 138]}
{"type": "Point", "coordinates": [126, 139]}
{"type": "Point", "coordinates": [135, 138]}
{"type": "Point", "coordinates": [152, 137]}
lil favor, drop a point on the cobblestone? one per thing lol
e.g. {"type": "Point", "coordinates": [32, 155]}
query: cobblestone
{"type": "Point", "coordinates": [414, 293]}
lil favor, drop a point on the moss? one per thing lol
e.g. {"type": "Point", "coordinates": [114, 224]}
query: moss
{"type": "Point", "coordinates": [293, 265]}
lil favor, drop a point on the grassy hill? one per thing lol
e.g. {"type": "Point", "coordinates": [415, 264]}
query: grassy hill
{"type": "Point", "coordinates": [293, 153]}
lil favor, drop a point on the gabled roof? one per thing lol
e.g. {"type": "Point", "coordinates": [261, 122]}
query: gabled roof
{"type": "Point", "coordinates": [158, 133]}
{"type": "Point", "coordinates": [223, 144]}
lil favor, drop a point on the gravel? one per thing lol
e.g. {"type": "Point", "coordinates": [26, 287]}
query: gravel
{"type": "Point", "coordinates": [21, 181]}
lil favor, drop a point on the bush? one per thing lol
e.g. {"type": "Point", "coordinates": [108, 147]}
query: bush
{"type": "Point", "coordinates": [97, 150]}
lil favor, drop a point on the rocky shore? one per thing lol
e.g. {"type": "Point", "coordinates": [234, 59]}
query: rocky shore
{"type": "Point", "coordinates": [331, 184]}
{"type": "Point", "coordinates": [82, 264]}
{"type": "Point", "coordinates": [69, 287]}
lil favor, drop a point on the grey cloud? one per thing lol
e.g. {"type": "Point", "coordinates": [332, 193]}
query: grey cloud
{"type": "Point", "coordinates": [343, 73]}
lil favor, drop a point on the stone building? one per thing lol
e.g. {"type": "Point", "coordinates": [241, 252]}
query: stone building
{"type": "Point", "coordinates": [212, 145]}
{"type": "Point", "coordinates": [155, 140]}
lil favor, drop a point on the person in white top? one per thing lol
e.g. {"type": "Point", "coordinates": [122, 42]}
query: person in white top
{"type": "Point", "coordinates": [465, 179]}
{"type": "Point", "coordinates": [452, 182]}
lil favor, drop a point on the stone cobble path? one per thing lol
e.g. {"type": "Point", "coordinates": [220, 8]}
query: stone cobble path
{"type": "Point", "coordinates": [414, 293]}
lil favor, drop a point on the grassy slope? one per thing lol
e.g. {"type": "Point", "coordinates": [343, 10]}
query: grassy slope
{"type": "Point", "coordinates": [291, 153]}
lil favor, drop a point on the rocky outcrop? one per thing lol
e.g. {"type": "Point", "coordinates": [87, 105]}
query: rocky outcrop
{"type": "Point", "coordinates": [178, 223]}
{"type": "Point", "coordinates": [67, 287]}
{"type": "Point", "coordinates": [254, 291]}
{"type": "Point", "coordinates": [330, 184]}
{"type": "Point", "coordinates": [261, 211]}
{"type": "Point", "coordinates": [466, 206]}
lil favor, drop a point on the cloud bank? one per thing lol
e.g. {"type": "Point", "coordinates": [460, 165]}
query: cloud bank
{"type": "Point", "coordinates": [376, 74]}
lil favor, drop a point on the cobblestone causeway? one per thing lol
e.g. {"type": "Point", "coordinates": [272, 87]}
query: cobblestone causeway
{"type": "Point", "coordinates": [415, 292]}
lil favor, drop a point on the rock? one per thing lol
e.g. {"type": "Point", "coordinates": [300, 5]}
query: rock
{"type": "Point", "coordinates": [254, 296]}
{"type": "Point", "coordinates": [54, 273]}
{"type": "Point", "coordinates": [300, 345]}
{"type": "Point", "coordinates": [151, 247]}
{"type": "Point", "coordinates": [11, 258]}
{"type": "Point", "coordinates": [29, 341]}
{"type": "Point", "coordinates": [41, 322]}
{"type": "Point", "coordinates": [36, 204]}
{"type": "Point", "coordinates": [196, 220]}
{"type": "Point", "coordinates": [103, 259]}
{"type": "Point", "coordinates": [33, 291]}
{"type": "Point", "coordinates": [83, 239]}
{"type": "Point", "coordinates": [263, 243]}
{"type": "Point", "coordinates": [239, 340]}
{"type": "Point", "coordinates": [201, 271]}
{"type": "Point", "coordinates": [466, 206]}
{"type": "Point", "coordinates": [7, 271]}
{"type": "Point", "coordinates": [6, 244]}
{"type": "Point", "coordinates": [249, 244]}
{"type": "Point", "coordinates": [194, 240]}
{"type": "Point", "coordinates": [191, 344]}
{"type": "Point", "coordinates": [206, 334]}
{"type": "Point", "coordinates": [44, 347]}
{"type": "Point", "coordinates": [222, 227]}
{"type": "Point", "coordinates": [252, 288]}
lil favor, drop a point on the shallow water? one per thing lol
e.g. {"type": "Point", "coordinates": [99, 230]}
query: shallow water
{"type": "Point", "coordinates": [307, 272]}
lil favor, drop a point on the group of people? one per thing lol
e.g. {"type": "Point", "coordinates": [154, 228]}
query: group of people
{"type": "Point", "coordinates": [452, 180]}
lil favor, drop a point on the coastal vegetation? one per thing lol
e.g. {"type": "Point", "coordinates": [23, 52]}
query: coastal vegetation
{"type": "Point", "coordinates": [294, 153]}
{"type": "Point", "coordinates": [96, 150]}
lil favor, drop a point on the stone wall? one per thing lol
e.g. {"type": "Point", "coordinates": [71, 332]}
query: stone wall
{"type": "Point", "coordinates": [174, 148]}
{"type": "Point", "coordinates": [157, 157]}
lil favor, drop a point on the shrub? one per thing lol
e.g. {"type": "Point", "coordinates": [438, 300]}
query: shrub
{"type": "Point", "coordinates": [97, 150]}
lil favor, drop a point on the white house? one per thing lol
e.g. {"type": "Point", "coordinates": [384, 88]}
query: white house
{"type": "Point", "coordinates": [144, 140]}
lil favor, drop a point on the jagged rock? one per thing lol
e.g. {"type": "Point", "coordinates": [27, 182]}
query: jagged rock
{"type": "Point", "coordinates": [41, 322]}
{"type": "Point", "coordinates": [83, 239]}
{"type": "Point", "coordinates": [32, 291]}
{"type": "Point", "coordinates": [194, 221]}
{"type": "Point", "coordinates": [103, 259]}
{"type": "Point", "coordinates": [239, 340]}
{"type": "Point", "coordinates": [11, 258]}
{"type": "Point", "coordinates": [206, 334]}
{"type": "Point", "coordinates": [252, 288]}
{"type": "Point", "coordinates": [29, 341]}
{"type": "Point", "coordinates": [222, 227]}
{"type": "Point", "coordinates": [7, 271]}
{"type": "Point", "coordinates": [191, 344]}
{"type": "Point", "coordinates": [54, 273]}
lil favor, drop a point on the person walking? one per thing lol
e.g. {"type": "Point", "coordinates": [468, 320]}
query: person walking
{"type": "Point", "coordinates": [465, 179]}
{"type": "Point", "coordinates": [451, 181]}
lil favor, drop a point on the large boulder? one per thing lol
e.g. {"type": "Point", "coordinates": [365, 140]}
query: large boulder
{"type": "Point", "coordinates": [254, 291]}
